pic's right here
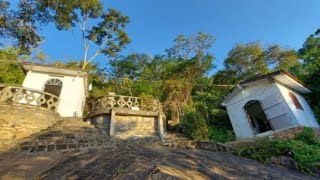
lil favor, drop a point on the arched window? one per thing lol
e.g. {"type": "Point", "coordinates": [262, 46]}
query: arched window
{"type": "Point", "coordinates": [53, 86]}
{"type": "Point", "coordinates": [295, 101]}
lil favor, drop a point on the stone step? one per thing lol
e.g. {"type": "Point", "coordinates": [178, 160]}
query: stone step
{"type": "Point", "coordinates": [56, 147]}
{"type": "Point", "coordinates": [176, 136]}
{"type": "Point", "coordinates": [67, 134]}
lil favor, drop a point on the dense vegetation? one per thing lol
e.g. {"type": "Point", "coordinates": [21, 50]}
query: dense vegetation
{"type": "Point", "coordinates": [182, 78]}
{"type": "Point", "coordinates": [11, 73]}
{"type": "Point", "coordinates": [304, 149]}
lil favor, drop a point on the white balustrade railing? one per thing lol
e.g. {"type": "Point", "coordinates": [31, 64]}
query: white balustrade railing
{"type": "Point", "coordinates": [29, 97]}
{"type": "Point", "coordinates": [126, 102]}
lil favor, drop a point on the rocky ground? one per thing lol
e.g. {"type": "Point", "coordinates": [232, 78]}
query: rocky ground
{"type": "Point", "coordinates": [136, 161]}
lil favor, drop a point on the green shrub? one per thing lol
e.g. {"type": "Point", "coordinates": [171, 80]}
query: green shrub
{"type": "Point", "coordinates": [307, 136]}
{"type": "Point", "coordinates": [262, 151]}
{"type": "Point", "coordinates": [304, 149]}
{"type": "Point", "coordinates": [194, 125]}
{"type": "Point", "coordinates": [220, 134]}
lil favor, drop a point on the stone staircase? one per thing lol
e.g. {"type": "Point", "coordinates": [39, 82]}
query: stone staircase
{"type": "Point", "coordinates": [178, 140]}
{"type": "Point", "coordinates": [66, 134]}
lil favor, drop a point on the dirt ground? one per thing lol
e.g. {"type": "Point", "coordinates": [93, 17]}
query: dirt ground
{"type": "Point", "coordinates": [151, 161]}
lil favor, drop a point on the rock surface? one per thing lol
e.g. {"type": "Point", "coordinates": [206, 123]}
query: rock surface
{"type": "Point", "coordinates": [19, 122]}
{"type": "Point", "coordinates": [135, 161]}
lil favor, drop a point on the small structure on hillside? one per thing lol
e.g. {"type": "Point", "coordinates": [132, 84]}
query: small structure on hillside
{"type": "Point", "coordinates": [265, 104]}
{"type": "Point", "coordinates": [70, 85]}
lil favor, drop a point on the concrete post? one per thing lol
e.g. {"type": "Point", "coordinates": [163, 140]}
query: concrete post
{"type": "Point", "coordinates": [160, 126]}
{"type": "Point", "coordinates": [112, 121]}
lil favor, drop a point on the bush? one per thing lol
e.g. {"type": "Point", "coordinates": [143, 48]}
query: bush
{"type": "Point", "coordinates": [262, 151]}
{"type": "Point", "coordinates": [10, 70]}
{"type": "Point", "coordinates": [194, 124]}
{"type": "Point", "coordinates": [304, 149]}
{"type": "Point", "coordinates": [220, 134]}
{"type": "Point", "coordinates": [307, 136]}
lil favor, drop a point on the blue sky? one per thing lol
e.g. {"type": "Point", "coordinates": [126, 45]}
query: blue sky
{"type": "Point", "coordinates": [155, 23]}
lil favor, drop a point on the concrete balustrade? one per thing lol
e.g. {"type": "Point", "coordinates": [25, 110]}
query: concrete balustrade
{"type": "Point", "coordinates": [126, 102]}
{"type": "Point", "coordinates": [128, 117]}
{"type": "Point", "coordinates": [28, 97]}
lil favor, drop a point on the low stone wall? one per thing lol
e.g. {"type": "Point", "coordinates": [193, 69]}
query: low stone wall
{"type": "Point", "coordinates": [128, 124]}
{"type": "Point", "coordinates": [138, 126]}
{"type": "Point", "coordinates": [193, 144]}
{"type": "Point", "coordinates": [18, 122]}
{"type": "Point", "coordinates": [290, 133]}
{"type": "Point", "coordinates": [102, 122]}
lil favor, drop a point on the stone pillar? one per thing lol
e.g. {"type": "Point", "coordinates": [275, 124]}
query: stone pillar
{"type": "Point", "coordinates": [112, 121]}
{"type": "Point", "coordinates": [160, 126]}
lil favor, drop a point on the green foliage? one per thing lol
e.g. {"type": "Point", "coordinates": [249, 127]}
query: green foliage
{"type": "Point", "coordinates": [251, 59]}
{"type": "Point", "coordinates": [194, 124]}
{"type": "Point", "coordinates": [65, 14]}
{"type": "Point", "coordinates": [106, 29]}
{"type": "Point", "coordinates": [130, 66]}
{"type": "Point", "coordinates": [279, 58]}
{"type": "Point", "coordinates": [309, 70]}
{"type": "Point", "coordinates": [190, 47]}
{"type": "Point", "coordinates": [304, 149]}
{"type": "Point", "coordinates": [20, 25]}
{"type": "Point", "coordinates": [307, 136]}
{"type": "Point", "coordinates": [220, 134]}
{"type": "Point", "coordinates": [11, 72]}
{"type": "Point", "coordinates": [262, 151]}
{"type": "Point", "coordinates": [178, 79]}
{"type": "Point", "coordinates": [170, 78]}
{"type": "Point", "coordinates": [246, 60]}
{"type": "Point", "coordinates": [206, 98]}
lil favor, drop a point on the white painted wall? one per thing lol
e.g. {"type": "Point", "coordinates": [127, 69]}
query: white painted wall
{"type": "Point", "coordinates": [265, 91]}
{"type": "Point", "coordinates": [304, 117]}
{"type": "Point", "coordinates": [72, 93]}
{"type": "Point", "coordinates": [236, 111]}
{"type": "Point", "coordinates": [260, 91]}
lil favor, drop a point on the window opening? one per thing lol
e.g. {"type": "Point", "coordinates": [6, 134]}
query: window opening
{"type": "Point", "coordinates": [295, 101]}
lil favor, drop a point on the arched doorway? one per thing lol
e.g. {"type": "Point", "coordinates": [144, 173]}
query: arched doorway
{"type": "Point", "coordinates": [53, 86]}
{"type": "Point", "coordinates": [257, 117]}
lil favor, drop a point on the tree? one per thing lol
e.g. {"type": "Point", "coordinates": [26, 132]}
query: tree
{"type": "Point", "coordinates": [20, 25]}
{"type": "Point", "coordinates": [190, 47]}
{"type": "Point", "coordinates": [107, 34]}
{"type": "Point", "coordinates": [106, 30]}
{"type": "Point", "coordinates": [310, 52]}
{"type": "Point", "coordinates": [225, 78]}
{"type": "Point", "coordinates": [251, 59]}
{"type": "Point", "coordinates": [130, 66]}
{"type": "Point", "coordinates": [279, 58]}
{"type": "Point", "coordinates": [246, 60]}
{"type": "Point", "coordinates": [191, 59]}
{"type": "Point", "coordinates": [309, 69]}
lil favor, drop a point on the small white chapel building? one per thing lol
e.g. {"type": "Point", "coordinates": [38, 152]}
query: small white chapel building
{"type": "Point", "coordinates": [70, 85]}
{"type": "Point", "coordinates": [268, 103]}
